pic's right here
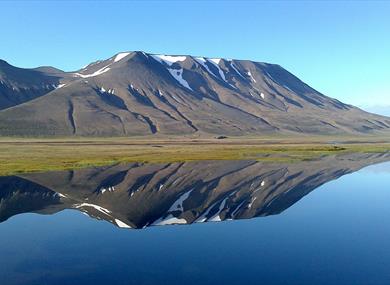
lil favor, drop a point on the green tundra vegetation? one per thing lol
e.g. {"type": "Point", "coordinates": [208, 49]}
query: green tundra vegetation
{"type": "Point", "coordinates": [18, 155]}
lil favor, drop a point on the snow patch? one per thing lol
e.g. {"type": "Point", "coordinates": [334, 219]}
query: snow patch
{"type": "Point", "coordinates": [109, 91]}
{"type": "Point", "coordinates": [178, 205]}
{"type": "Point", "coordinates": [120, 56]}
{"type": "Point", "coordinates": [169, 220]}
{"type": "Point", "coordinates": [109, 189]}
{"type": "Point", "coordinates": [96, 207]}
{"type": "Point", "coordinates": [237, 209]}
{"type": "Point", "coordinates": [262, 95]}
{"type": "Point", "coordinates": [215, 60]}
{"type": "Point", "coordinates": [60, 86]}
{"type": "Point", "coordinates": [250, 75]}
{"type": "Point", "coordinates": [216, 217]}
{"type": "Point", "coordinates": [251, 203]}
{"type": "Point", "coordinates": [202, 61]}
{"type": "Point", "coordinates": [236, 70]}
{"type": "Point", "coordinates": [175, 98]}
{"type": "Point", "coordinates": [122, 224]}
{"type": "Point", "coordinates": [61, 195]}
{"type": "Point", "coordinates": [178, 75]}
{"type": "Point", "coordinates": [96, 73]}
{"type": "Point", "coordinates": [203, 217]}
{"type": "Point", "coordinates": [168, 59]}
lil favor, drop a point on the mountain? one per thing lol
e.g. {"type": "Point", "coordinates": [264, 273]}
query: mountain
{"type": "Point", "coordinates": [140, 195]}
{"type": "Point", "coordinates": [135, 93]}
{"type": "Point", "coordinates": [19, 85]}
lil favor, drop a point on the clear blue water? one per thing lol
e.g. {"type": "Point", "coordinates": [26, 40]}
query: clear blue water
{"type": "Point", "coordinates": [337, 234]}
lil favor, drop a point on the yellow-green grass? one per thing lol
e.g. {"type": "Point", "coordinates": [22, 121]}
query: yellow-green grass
{"type": "Point", "coordinates": [40, 154]}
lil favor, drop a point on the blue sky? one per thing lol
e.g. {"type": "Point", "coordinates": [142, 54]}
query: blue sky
{"type": "Point", "coordinates": [341, 49]}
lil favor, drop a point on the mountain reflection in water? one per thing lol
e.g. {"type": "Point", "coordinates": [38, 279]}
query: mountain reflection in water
{"type": "Point", "coordinates": [139, 195]}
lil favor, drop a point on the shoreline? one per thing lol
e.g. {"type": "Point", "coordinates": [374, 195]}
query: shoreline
{"type": "Point", "coordinates": [21, 155]}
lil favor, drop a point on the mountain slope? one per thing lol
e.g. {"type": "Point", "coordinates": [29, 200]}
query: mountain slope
{"type": "Point", "coordinates": [19, 85]}
{"type": "Point", "coordinates": [136, 93]}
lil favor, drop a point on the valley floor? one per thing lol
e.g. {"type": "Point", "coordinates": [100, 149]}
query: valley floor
{"type": "Point", "coordinates": [18, 155]}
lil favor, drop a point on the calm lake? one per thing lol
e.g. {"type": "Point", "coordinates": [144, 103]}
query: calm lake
{"type": "Point", "coordinates": [212, 222]}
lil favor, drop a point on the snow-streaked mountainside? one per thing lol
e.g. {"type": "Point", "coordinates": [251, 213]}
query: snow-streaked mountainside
{"type": "Point", "coordinates": [136, 93]}
{"type": "Point", "coordinates": [140, 195]}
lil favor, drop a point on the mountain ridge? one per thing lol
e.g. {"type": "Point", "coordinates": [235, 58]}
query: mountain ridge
{"type": "Point", "coordinates": [136, 94]}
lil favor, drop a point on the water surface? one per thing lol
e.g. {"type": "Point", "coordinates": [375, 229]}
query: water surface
{"type": "Point", "coordinates": [211, 222]}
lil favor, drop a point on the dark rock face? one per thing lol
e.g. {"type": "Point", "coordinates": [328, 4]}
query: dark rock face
{"type": "Point", "coordinates": [141, 195]}
{"type": "Point", "coordinates": [136, 93]}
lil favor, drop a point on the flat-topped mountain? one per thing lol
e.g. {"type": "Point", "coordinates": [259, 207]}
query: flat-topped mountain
{"type": "Point", "coordinates": [136, 93]}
